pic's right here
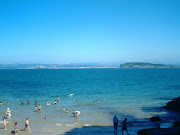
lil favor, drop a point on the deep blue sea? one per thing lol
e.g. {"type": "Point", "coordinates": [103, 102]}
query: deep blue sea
{"type": "Point", "coordinates": [122, 92]}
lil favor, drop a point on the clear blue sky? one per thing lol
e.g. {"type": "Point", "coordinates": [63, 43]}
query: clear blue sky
{"type": "Point", "coordinates": [89, 31]}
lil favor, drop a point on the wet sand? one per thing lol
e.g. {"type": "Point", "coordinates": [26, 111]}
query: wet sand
{"type": "Point", "coordinates": [57, 129]}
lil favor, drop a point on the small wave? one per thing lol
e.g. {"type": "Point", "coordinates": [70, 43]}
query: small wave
{"type": "Point", "coordinates": [69, 125]}
{"type": "Point", "coordinates": [58, 124]}
{"type": "Point", "coordinates": [87, 125]}
{"type": "Point", "coordinates": [6, 121]}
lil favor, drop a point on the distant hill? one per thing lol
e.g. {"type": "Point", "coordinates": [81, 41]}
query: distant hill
{"type": "Point", "coordinates": [144, 65]}
{"type": "Point", "coordinates": [85, 65]}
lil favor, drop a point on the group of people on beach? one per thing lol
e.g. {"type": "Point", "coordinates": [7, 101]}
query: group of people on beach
{"type": "Point", "coordinates": [8, 118]}
{"type": "Point", "coordinates": [37, 108]}
{"type": "Point", "coordinates": [124, 125]}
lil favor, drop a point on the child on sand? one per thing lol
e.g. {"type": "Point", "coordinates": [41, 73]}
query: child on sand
{"type": "Point", "coordinates": [16, 127]}
{"type": "Point", "coordinates": [4, 122]}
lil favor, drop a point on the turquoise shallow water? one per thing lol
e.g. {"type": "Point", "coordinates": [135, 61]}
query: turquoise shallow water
{"type": "Point", "coordinates": [123, 92]}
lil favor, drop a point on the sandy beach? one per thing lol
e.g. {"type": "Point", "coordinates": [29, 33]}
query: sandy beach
{"type": "Point", "coordinates": [52, 129]}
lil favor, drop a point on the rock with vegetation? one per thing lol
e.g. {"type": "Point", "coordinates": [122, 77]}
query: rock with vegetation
{"type": "Point", "coordinates": [144, 65]}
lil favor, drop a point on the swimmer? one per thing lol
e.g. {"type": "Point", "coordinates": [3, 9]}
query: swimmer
{"type": "Point", "coordinates": [27, 125]}
{"type": "Point", "coordinates": [0, 103]}
{"type": "Point", "coordinates": [71, 94]}
{"type": "Point", "coordinates": [45, 117]}
{"type": "Point", "coordinates": [22, 103]}
{"type": "Point", "coordinates": [7, 103]}
{"type": "Point", "coordinates": [4, 122]}
{"type": "Point", "coordinates": [77, 100]}
{"type": "Point", "coordinates": [93, 102]}
{"type": "Point", "coordinates": [66, 110]}
{"type": "Point", "coordinates": [39, 108]}
{"type": "Point", "coordinates": [55, 102]}
{"type": "Point", "coordinates": [16, 127]}
{"type": "Point", "coordinates": [58, 99]}
{"type": "Point", "coordinates": [8, 114]}
{"type": "Point", "coordinates": [73, 99]}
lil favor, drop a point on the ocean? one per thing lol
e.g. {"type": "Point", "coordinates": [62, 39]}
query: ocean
{"type": "Point", "coordinates": [136, 94]}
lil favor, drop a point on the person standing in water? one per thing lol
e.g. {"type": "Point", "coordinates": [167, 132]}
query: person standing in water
{"type": "Point", "coordinates": [124, 126]}
{"type": "Point", "coordinates": [64, 109]}
{"type": "Point", "coordinates": [8, 114]}
{"type": "Point", "coordinates": [4, 122]}
{"type": "Point", "coordinates": [28, 101]}
{"type": "Point", "coordinates": [27, 125]}
{"type": "Point", "coordinates": [76, 113]}
{"type": "Point", "coordinates": [55, 102]}
{"type": "Point", "coordinates": [47, 103]}
{"type": "Point", "coordinates": [115, 122]}
{"type": "Point", "coordinates": [39, 108]}
{"type": "Point", "coordinates": [35, 103]}
{"type": "Point", "coordinates": [35, 106]}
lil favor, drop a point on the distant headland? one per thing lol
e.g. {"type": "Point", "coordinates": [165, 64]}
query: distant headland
{"type": "Point", "coordinates": [85, 66]}
{"type": "Point", "coordinates": [146, 65]}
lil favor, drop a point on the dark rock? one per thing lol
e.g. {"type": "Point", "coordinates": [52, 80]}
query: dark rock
{"type": "Point", "coordinates": [173, 105]}
{"type": "Point", "coordinates": [155, 118]}
{"type": "Point", "coordinates": [160, 131]}
{"type": "Point", "coordinates": [176, 124]}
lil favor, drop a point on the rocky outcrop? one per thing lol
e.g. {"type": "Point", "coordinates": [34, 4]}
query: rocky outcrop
{"type": "Point", "coordinates": [160, 131]}
{"type": "Point", "coordinates": [155, 118]}
{"type": "Point", "coordinates": [173, 105]}
{"type": "Point", "coordinates": [176, 124]}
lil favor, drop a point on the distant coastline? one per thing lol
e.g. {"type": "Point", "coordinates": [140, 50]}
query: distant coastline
{"type": "Point", "coordinates": [85, 66]}
{"type": "Point", "coordinates": [146, 65]}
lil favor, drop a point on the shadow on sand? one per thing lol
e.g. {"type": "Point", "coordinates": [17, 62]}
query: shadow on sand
{"type": "Point", "coordinates": [94, 130]}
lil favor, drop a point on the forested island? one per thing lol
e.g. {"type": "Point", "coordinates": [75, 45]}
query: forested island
{"type": "Point", "coordinates": [145, 65]}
